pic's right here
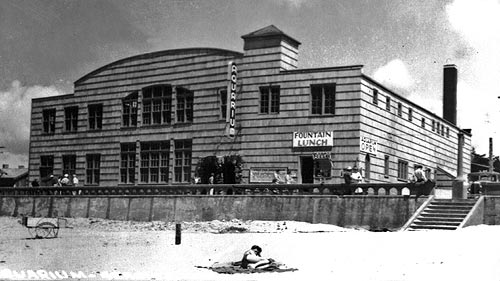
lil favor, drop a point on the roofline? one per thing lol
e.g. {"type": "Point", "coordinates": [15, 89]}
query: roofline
{"type": "Point", "coordinates": [53, 97]}
{"type": "Point", "coordinates": [323, 69]}
{"type": "Point", "coordinates": [157, 54]}
{"type": "Point", "coordinates": [413, 104]}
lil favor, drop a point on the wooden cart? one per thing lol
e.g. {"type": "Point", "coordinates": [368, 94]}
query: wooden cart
{"type": "Point", "coordinates": [42, 227]}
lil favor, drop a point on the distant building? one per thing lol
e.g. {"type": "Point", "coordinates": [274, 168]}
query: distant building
{"type": "Point", "coordinates": [152, 119]}
{"type": "Point", "coordinates": [13, 177]}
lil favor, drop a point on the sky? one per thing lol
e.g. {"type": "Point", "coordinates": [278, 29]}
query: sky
{"type": "Point", "coordinates": [46, 45]}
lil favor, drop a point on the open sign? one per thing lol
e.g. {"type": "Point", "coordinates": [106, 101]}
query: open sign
{"type": "Point", "coordinates": [368, 145]}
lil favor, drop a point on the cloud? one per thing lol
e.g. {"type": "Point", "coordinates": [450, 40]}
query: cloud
{"type": "Point", "coordinates": [15, 114]}
{"type": "Point", "coordinates": [395, 75]}
{"type": "Point", "coordinates": [478, 24]}
{"type": "Point", "coordinates": [294, 3]}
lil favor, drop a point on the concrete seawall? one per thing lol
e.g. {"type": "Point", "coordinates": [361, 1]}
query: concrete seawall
{"type": "Point", "coordinates": [370, 212]}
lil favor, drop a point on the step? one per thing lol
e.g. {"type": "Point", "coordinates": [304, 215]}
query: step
{"type": "Point", "coordinates": [417, 222]}
{"type": "Point", "coordinates": [434, 218]}
{"type": "Point", "coordinates": [445, 215]}
{"type": "Point", "coordinates": [417, 227]}
{"type": "Point", "coordinates": [460, 207]}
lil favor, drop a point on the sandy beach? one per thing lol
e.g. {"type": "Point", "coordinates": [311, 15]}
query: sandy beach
{"type": "Point", "coordinates": [94, 249]}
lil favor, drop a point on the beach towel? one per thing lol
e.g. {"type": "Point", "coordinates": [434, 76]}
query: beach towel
{"type": "Point", "coordinates": [235, 267]}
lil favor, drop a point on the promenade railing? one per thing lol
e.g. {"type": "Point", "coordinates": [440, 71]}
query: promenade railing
{"type": "Point", "coordinates": [226, 189]}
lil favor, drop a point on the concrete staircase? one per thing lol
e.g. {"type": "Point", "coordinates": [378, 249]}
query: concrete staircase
{"type": "Point", "coordinates": [442, 214]}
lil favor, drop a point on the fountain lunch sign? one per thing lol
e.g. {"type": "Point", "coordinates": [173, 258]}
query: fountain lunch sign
{"type": "Point", "coordinates": [312, 139]}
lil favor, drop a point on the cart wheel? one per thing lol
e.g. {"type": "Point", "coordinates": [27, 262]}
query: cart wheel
{"type": "Point", "coordinates": [32, 232]}
{"type": "Point", "coordinates": [45, 230]}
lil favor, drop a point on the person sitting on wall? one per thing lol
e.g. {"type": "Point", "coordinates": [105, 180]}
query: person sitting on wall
{"type": "Point", "coordinates": [276, 177]}
{"type": "Point", "coordinates": [347, 175]}
{"type": "Point", "coordinates": [356, 175]}
{"type": "Point", "coordinates": [419, 176]}
{"type": "Point", "coordinates": [288, 177]}
{"type": "Point", "coordinates": [252, 259]}
{"type": "Point", "coordinates": [65, 180]}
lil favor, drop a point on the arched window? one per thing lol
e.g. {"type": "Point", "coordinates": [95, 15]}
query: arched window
{"type": "Point", "coordinates": [367, 167]}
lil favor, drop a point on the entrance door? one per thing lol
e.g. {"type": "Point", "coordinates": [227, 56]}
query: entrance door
{"type": "Point", "coordinates": [307, 169]}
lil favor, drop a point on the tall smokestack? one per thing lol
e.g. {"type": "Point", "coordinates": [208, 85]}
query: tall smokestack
{"type": "Point", "coordinates": [450, 93]}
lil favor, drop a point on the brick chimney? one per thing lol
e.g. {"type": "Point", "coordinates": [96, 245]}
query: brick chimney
{"type": "Point", "coordinates": [450, 93]}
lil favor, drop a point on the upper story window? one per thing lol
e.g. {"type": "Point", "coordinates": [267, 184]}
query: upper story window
{"type": "Point", "coordinates": [433, 125]}
{"type": "Point", "coordinates": [184, 105]}
{"type": "Point", "coordinates": [129, 110]}
{"type": "Point", "coordinates": [49, 121]}
{"type": "Point", "coordinates": [447, 132]}
{"type": "Point", "coordinates": [182, 164]}
{"type": "Point", "coordinates": [375, 96]}
{"type": "Point", "coordinates": [400, 109]}
{"type": "Point", "coordinates": [71, 119]}
{"type": "Point", "coordinates": [410, 114]}
{"type": "Point", "coordinates": [388, 103]}
{"type": "Point", "coordinates": [438, 128]}
{"type": "Point", "coordinates": [269, 99]}
{"type": "Point", "coordinates": [423, 123]}
{"type": "Point", "coordinates": [95, 116]}
{"type": "Point", "coordinates": [223, 103]}
{"type": "Point", "coordinates": [323, 99]}
{"type": "Point", "coordinates": [157, 105]}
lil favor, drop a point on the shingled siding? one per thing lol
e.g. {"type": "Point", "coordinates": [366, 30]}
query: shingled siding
{"type": "Point", "coordinates": [203, 71]}
{"type": "Point", "coordinates": [403, 139]}
{"type": "Point", "coordinates": [267, 138]}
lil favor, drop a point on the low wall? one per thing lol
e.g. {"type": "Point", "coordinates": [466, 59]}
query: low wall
{"type": "Point", "coordinates": [492, 210]}
{"type": "Point", "coordinates": [370, 212]}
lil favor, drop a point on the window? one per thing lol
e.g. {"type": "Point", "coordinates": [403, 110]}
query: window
{"type": "Point", "coordinates": [270, 99]}
{"type": "Point", "coordinates": [386, 166]}
{"type": "Point", "coordinates": [442, 129]}
{"type": "Point", "coordinates": [93, 168]}
{"type": "Point", "coordinates": [433, 125]}
{"type": "Point", "coordinates": [388, 103]}
{"type": "Point", "coordinates": [69, 164]}
{"type": "Point", "coordinates": [184, 105]}
{"type": "Point", "coordinates": [46, 166]}
{"type": "Point", "coordinates": [402, 169]}
{"type": "Point", "coordinates": [182, 167]}
{"type": "Point", "coordinates": [127, 162]}
{"type": "Point", "coordinates": [410, 114]}
{"type": "Point", "coordinates": [367, 166]}
{"type": "Point", "coordinates": [423, 123]}
{"type": "Point", "coordinates": [155, 161]}
{"type": "Point", "coordinates": [375, 96]}
{"type": "Point", "coordinates": [400, 109]}
{"type": "Point", "coordinates": [223, 104]}
{"type": "Point", "coordinates": [438, 127]}
{"type": "Point", "coordinates": [71, 119]}
{"type": "Point", "coordinates": [129, 110]}
{"type": "Point", "coordinates": [95, 116]}
{"type": "Point", "coordinates": [447, 132]}
{"type": "Point", "coordinates": [49, 121]}
{"type": "Point", "coordinates": [323, 99]}
{"type": "Point", "coordinates": [157, 105]}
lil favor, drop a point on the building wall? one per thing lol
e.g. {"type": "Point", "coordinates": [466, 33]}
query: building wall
{"type": "Point", "coordinates": [203, 71]}
{"type": "Point", "coordinates": [263, 140]}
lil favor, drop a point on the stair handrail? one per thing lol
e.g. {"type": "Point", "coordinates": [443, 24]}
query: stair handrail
{"type": "Point", "coordinates": [417, 212]}
{"type": "Point", "coordinates": [479, 203]}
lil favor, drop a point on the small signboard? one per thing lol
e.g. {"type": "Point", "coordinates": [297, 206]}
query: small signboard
{"type": "Point", "coordinates": [265, 175]}
{"type": "Point", "coordinates": [322, 155]}
{"type": "Point", "coordinates": [368, 145]}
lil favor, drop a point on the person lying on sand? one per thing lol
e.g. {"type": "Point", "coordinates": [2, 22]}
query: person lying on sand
{"type": "Point", "coordinates": [252, 259]}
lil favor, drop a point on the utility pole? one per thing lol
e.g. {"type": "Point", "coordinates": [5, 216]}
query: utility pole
{"type": "Point", "coordinates": [491, 156]}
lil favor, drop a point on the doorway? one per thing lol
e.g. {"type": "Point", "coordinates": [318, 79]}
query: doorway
{"type": "Point", "coordinates": [307, 169]}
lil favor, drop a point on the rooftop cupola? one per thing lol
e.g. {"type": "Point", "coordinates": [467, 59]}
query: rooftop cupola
{"type": "Point", "coordinates": [270, 48]}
